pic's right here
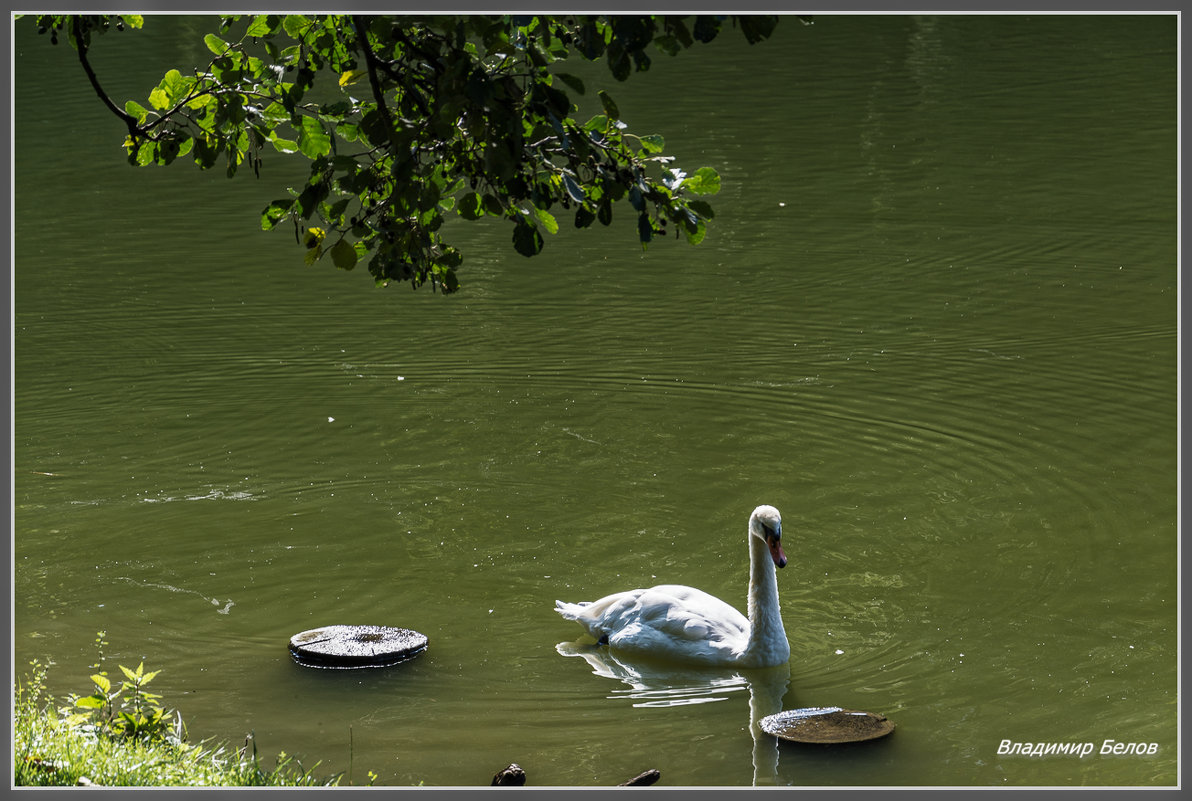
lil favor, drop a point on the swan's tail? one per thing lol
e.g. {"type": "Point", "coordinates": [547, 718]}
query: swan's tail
{"type": "Point", "coordinates": [571, 611]}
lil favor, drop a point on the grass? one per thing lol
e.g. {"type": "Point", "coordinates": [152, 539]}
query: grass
{"type": "Point", "coordinates": [55, 746]}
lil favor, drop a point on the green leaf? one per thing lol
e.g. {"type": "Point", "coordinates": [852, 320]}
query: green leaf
{"type": "Point", "coordinates": [618, 62]}
{"type": "Point", "coordinates": [572, 81]}
{"type": "Point", "coordinates": [282, 145]}
{"type": "Point", "coordinates": [215, 44]}
{"type": "Point", "coordinates": [605, 212]}
{"type": "Point", "coordinates": [172, 89]}
{"type": "Point", "coordinates": [653, 143]}
{"type": "Point", "coordinates": [667, 44]}
{"type": "Point", "coordinates": [645, 231]}
{"type": "Point", "coordinates": [597, 124]}
{"type": "Point", "coordinates": [262, 25]}
{"type": "Point", "coordinates": [471, 207]}
{"type": "Point", "coordinates": [702, 208]}
{"type": "Point", "coordinates": [547, 219]}
{"type": "Point", "coordinates": [610, 108]}
{"type": "Point", "coordinates": [91, 702]}
{"type": "Point", "coordinates": [313, 141]}
{"type": "Point", "coordinates": [584, 217]}
{"type": "Point", "coordinates": [136, 110]}
{"type": "Point", "coordinates": [526, 239]}
{"type": "Point", "coordinates": [493, 206]}
{"type": "Point", "coordinates": [343, 255]}
{"type": "Point", "coordinates": [295, 25]}
{"type": "Point", "coordinates": [573, 189]}
{"type": "Point", "coordinates": [757, 27]}
{"type": "Point", "coordinates": [274, 213]}
{"type": "Point", "coordinates": [706, 28]}
{"type": "Point", "coordinates": [450, 281]}
{"type": "Point", "coordinates": [705, 181]}
{"type": "Point", "coordinates": [102, 682]}
{"type": "Point", "coordinates": [696, 236]}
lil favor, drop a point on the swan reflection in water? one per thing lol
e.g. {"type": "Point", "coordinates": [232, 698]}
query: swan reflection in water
{"type": "Point", "coordinates": [661, 684]}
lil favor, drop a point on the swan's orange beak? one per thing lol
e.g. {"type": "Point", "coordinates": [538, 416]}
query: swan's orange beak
{"type": "Point", "coordinates": [776, 551]}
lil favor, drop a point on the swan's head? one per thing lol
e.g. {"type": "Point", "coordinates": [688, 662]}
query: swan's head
{"type": "Point", "coordinates": [766, 524]}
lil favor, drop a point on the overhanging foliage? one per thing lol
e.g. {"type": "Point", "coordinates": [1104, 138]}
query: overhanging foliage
{"type": "Point", "coordinates": [416, 118]}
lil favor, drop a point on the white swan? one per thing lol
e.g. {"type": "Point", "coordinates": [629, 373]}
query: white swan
{"type": "Point", "coordinates": [688, 625]}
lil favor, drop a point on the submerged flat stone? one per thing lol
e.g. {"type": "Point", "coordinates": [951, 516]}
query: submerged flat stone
{"type": "Point", "coordinates": [826, 724]}
{"type": "Point", "coordinates": [356, 646]}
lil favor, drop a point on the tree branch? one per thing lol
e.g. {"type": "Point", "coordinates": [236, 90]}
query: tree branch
{"type": "Point", "coordinates": [128, 119]}
{"type": "Point", "coordinates": [370, 59]}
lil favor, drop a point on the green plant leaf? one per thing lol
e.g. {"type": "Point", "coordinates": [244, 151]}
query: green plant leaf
{"type": "Point", "coordinates": [282, 145]}
{"type": "Point", "coordinates": [605, 212]}
{"type": "Point", "coordinates": [598, 124]}
{"type": "Point", "coordinates": [343, 255]}
{"type": "Point", "coordinates": [548, 220]}
{"type": "Point", "coordinates": [172, 89]}
{"type": "Point", "coordinates": [572, 81]}
{"type": "Point", "coordinates": [261, 26]}
{"type": "Point", "coordinates": [102, 682]}
{"type": "Point", "coordinates": [471, 207]}
{"type": "Point", "coordinates": [295, 25]}
{"type": "Point", "coordinates": [136, 110]}
{"type": "Point", "coordinates": [705, 181]}
{"type": "Point", "coordinates": [91, 702]}
{"type": "Point", "coordinates": [610, 108]}
{"type": "Point", "coordinates": [653, 143]}
{"type": "Point", "coordinates": [645, 230]}
{"type": "Point", "coordinates": [584, 217]}
{"type": "Point", "coordinates": [274, 212]}
{"type": "Point", "coordinates": [573, 189]}
{"type": "Point", "coordinates": [526, 239]}
{"type": "Point", "coordinates": [493, 206]}
{"type": "Point", "coordinates": [313, 140]}
{"type": "Point", "coordinates": [702, 208]}
{"type": "Point", "coordinates": [215, 44]}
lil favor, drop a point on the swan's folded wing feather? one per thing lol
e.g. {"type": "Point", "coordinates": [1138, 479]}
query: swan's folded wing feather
{"type": "Point", "coordinates": [691, 614]}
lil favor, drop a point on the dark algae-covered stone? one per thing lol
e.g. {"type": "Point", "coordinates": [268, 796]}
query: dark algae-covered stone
{"type": "Point", "coordinates": [356, 646]}
{"type": "Point", "coordinates": [829, 724]}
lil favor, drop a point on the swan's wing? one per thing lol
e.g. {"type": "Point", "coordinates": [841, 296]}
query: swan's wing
{"type": "Point", "coordinates": [687, 613]}
{"type": "Point", "coordinates": [602, 616]}
{"type": "Point", "coordinates": [667, 620]}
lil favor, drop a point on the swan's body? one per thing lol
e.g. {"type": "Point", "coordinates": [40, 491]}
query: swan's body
{"type": "Point", "coordinates": [680, 623]}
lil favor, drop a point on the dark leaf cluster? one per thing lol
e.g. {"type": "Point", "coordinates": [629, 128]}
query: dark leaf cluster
{"type": "Point", "coordinates": [408, 121]}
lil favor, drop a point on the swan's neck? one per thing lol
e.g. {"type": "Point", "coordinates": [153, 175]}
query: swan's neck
{"type": "Point", "coordinates": [767, 637]}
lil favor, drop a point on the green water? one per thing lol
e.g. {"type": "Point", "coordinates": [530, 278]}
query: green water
{"type": "Point", "coordinates": [935, 323]}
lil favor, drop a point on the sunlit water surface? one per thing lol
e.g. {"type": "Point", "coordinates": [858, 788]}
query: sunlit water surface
{"type": "Point", "coordinates": [934, 323]}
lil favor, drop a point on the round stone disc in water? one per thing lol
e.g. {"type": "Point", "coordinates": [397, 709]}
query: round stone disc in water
{"type": "Point", "coordinates": [356, 646]}
{"type": "Point", "coordinates": [826, 724]}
